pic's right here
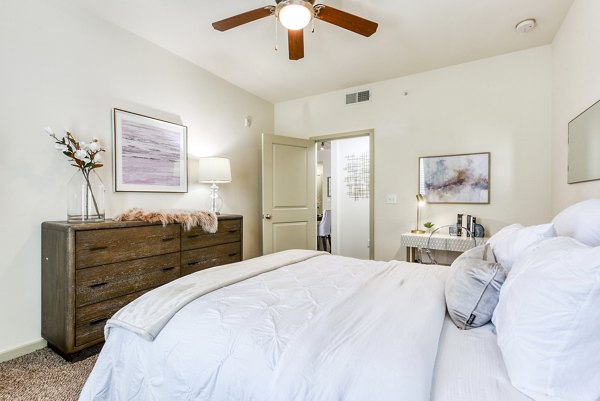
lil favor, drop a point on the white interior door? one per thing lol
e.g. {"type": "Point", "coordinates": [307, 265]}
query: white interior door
{"type": "Point", "coordinates": [288, 194]}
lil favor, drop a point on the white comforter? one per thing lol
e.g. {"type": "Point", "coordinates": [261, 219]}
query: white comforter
{"type": "Point", "coordinates": [328, 328]}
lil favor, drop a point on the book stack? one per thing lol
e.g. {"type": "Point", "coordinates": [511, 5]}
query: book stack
{"type": "Point", "coordinates": [469, 222]}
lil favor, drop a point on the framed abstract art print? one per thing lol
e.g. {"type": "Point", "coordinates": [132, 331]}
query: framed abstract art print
{"type": "Point", "coordinates": [455, 178]}
{"type": "Point", "coordinates": [150, 155]}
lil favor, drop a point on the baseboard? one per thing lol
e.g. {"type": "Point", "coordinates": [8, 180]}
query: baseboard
{"type": "Point", "coordinates": [22, 350]}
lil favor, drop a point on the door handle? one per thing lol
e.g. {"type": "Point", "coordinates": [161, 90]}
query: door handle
{"type": "Point", "coordinates": [267, 216]}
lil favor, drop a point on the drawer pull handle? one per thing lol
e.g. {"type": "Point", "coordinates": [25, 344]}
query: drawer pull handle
{"type": "Point", "coordinates": [98, 285]}
{"type": "Point", "coordinates": [232, 254]}
{"type": "Point", "coordinates": [98, 321]}
{"type": "Point", "coordinates": [193, 235]}
{"type": "Point", "coordinates": [98, 248]}
{"type": "Point", "coordinates": [233, 231]}
{"type": "Point", "coordinates": [166, 269]}
{"type": "Point", "coordinates": [168, 239]}
{"type": "Point", "coordinates": [204, 261]}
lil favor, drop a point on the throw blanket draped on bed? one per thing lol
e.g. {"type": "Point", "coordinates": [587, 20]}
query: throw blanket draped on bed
{"type": "Point", "coordinates": [323, 328]}
{"type": "Point", "coordinates": [148, 314]}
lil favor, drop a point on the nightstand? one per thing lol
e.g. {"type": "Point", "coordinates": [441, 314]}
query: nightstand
{"type": "Point", "coordinates": [442, 242]}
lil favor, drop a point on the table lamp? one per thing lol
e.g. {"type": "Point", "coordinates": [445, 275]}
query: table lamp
{"type": "Point", "coordinates": [420, 203]}
{"type": "Point", "coordinates": [214, 170]}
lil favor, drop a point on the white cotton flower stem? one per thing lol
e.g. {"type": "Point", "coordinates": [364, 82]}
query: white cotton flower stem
{"type": "Point", "coordinates": [87, 180]}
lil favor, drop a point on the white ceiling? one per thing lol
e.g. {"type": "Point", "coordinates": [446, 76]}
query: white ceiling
{"type": "Point", "coordinates": [413, 36]}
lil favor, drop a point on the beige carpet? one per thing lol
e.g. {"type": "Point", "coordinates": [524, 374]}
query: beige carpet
{"type": "Point", "coordinates": [43, 376]}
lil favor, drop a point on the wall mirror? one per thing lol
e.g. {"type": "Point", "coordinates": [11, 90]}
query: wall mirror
{"type": "Point", "coordinates": [584, 146]}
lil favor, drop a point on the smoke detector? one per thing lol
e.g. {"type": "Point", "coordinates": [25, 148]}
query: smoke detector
{"type": "Point", "coordinates": [526, 25]}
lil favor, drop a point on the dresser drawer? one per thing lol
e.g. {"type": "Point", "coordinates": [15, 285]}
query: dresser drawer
{"type": "Point", "coordinates": [90, 320]}
{"type": "Point", "coordinates": [229, 231]}
{"type": "Point", "coordinates": [97, 247]}
{"type": "Point", "coordinates": [200, 259]}
{"type": "Point", "coordinates": [100, 283]}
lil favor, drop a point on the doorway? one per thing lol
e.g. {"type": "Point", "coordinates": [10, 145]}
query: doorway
{"type": "Point", "coordinates": [344, 194]}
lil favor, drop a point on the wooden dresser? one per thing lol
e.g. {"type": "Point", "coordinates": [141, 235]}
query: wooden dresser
{"type": "Point", "coordinates": [90, 271]}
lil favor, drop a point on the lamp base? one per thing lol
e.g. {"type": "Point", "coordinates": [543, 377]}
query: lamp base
{"type": "Point", "coordinates": [215, 202]}
{"type": "Point", "coordinates": [417, 232]}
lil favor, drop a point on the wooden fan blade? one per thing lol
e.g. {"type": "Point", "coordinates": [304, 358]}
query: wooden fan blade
{"type": "Point", "coordinates": [296, 44]}
{"type": "Point", "coordinates": [243, 18]}
{"type": "Point", "coordinates": [346, 20]}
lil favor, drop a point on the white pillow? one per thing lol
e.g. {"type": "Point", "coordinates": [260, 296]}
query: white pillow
{"type": "Point", "coordinates": [510, 242]}
{"type": "Point", "coordinates": [580, 221]}
{"type": "Point", "coordinates": [548, 321]}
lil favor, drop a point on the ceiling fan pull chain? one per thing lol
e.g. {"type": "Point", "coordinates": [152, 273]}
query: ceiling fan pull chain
{"type": "Point", "coordinates": [312, 25]}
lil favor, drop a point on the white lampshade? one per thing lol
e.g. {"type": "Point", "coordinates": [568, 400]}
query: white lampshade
{"type": "Point", "coordinates": [294, 14]}
{"type": "Point", "coordinates": [214, 169]}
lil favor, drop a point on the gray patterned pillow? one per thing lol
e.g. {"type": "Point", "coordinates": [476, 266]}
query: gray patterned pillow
{"type": "Point", "coordinates": [473, 288]}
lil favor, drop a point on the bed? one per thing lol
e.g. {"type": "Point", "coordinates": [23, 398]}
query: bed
{"type": "Point", "coordinates": [299, 325]}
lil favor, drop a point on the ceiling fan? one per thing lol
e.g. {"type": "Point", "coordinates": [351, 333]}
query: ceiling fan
{"type": "Point", "coordinates": [297, 14]}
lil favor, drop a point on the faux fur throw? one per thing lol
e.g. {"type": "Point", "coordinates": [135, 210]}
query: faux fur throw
{"type": "Point", "coordinates": [188, 218]}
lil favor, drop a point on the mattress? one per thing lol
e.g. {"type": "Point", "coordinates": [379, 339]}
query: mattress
{"type": "Point", "coordinates": [469, 367]}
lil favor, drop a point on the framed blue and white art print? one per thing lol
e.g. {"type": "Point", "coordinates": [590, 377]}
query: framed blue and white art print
{"type": "Point", "coordinates": [455, 178]}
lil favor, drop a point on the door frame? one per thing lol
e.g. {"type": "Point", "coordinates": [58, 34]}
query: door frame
{"type": "Point", "coordinates": [355, 134]}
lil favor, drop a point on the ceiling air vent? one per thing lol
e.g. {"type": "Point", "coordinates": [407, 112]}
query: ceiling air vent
{"type": "Point", "coordinates": [358, 97]}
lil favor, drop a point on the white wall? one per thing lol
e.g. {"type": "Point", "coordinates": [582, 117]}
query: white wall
{"type": "Point", "coordinates": [350, 217]}
{"type": "Point", "coordinates": [576, 86]}
{"type": "Point", "coordinates": [500, 104]}
{"type": "Point", "coordinates": [63, 67]}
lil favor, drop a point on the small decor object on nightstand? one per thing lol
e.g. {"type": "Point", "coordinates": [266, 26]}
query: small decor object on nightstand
{"type": "Point", "coordinates": [478, 231]}
{"type": "Point", "coordinates": [429, 226]}
{"type": "Point", "coordinates": [452, 230]}
{"type": "Point", "coordinates": [85, 189]}
{"type": "Point", "coordinates": [213, 170]}
{"type": "Point", "coordinates": [459, 223]}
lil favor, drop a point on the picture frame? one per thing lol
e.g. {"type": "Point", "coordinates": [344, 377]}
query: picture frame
{"type": "Point", "coordinates": [329, 187]}
{"type": "Point", "coordinates": [150, 155]}
{"type": "Point", "coordinates": [460, 178]}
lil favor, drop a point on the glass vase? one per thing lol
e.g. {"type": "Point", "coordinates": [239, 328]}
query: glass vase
{"type": "Point", "coordinates": [85, 193]}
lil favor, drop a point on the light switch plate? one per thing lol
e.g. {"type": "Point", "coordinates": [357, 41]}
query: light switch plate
{"type": "Point", "coordinates": [391, 199]}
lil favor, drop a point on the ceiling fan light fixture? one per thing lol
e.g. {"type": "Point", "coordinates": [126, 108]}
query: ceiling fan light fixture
{"type": "Point", "coordinates": [294, 14]}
